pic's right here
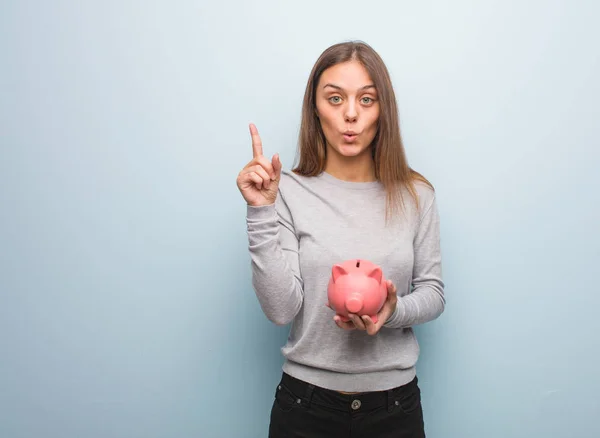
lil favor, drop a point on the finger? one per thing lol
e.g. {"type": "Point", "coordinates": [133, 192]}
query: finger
{"type": "Point", "coordinates": [259, 170]}
{"type": "Point", "coordinates": [344, 325]}
{"type": "Point", "coordinates": [256, 142]}
{"type": "Point", "coordinates": [358, 322]}
{"type": "Point", "coordinates": [256, 179]}
{"type": "Point", "coordinates": [391, 288]}
{"type": "Point", "coordinates": [370, 326]}
{"type": "Point", "coordinates": [264, 174]}
{"type": "Point", "coordinates": [276, 162]}
{"type": "Point", "coordinates": [252, 178]}
{"type": "Point", "coordinates": [267, 165]}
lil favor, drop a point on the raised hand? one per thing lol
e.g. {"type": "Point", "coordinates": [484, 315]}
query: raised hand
{"type": "Point", "coordinates": [258, 181]}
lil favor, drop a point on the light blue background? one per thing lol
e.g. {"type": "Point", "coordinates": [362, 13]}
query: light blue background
{"type": "Point", "coordinates": [125, 301]}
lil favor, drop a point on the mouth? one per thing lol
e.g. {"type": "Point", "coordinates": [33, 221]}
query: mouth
{"type": "Point", "coordinates": [350, 136]}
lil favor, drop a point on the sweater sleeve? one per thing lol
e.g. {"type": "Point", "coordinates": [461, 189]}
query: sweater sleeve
{"type": "Point", "coordinates": [273, 247]}
{"type": "Point", "coordinates": [426, 301]}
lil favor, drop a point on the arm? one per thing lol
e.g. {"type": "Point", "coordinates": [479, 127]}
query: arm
{"type": "Point", "coordinates": [273, 249]}
{"type": "Point", "coordinates": [426, 301]}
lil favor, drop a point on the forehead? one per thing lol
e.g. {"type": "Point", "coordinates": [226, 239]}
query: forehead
{"type": "Point", "coordinates": [351, 75]}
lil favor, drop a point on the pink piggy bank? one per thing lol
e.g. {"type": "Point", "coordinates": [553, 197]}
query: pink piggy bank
{"type": "Point", "coordinates": [358, 287]}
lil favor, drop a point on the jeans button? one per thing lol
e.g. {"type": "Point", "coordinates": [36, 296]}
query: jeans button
{"type": "Point", "coordinates": [355, 404]}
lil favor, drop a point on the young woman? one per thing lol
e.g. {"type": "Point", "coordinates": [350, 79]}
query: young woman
{"type": "Point", "coordinates": [352, 195]}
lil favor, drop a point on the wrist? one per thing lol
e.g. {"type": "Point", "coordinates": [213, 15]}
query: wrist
{"type": "Point", "coordinates": [260, 204]}
{"type": "Point", "coordinates": [261, 212]}
{"type": "Point", "coordinates": [391, 321]}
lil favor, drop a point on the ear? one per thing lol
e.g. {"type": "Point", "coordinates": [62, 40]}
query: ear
{"type": "Point", "coordinates": [377, 274]}
{"type": "Point", "coordinates": [337, 271]}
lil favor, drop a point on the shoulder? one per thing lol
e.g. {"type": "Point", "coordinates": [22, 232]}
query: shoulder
{"type": "Point", "coordinates": [425, 201]}
{"type": "Point", "coordinates": [425, 192]}
{"type": "Point", "coordinates": [290, 177]}
{"type": "Point", "coordinates": [292, 188]}
{"type": "Point", "coordinates": [292, 183]}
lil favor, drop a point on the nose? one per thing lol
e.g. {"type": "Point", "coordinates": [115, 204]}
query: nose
{"type": "Point", "coordinates": [350, 115]}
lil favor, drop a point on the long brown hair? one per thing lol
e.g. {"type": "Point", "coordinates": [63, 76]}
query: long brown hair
{"type": "Point", "coordinates": [391, 166]}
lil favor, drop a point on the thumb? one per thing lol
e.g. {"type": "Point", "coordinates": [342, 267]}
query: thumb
{"type": "Point", "coordinates": [391, 290]}
{"type": "Point", "coordinates": [276, 162]}
{"type": "Point", "coordinates": [390, 286]}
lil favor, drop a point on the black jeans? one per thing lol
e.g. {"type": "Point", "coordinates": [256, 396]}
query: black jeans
{"type": "Point", "coordinates": [304, 410]}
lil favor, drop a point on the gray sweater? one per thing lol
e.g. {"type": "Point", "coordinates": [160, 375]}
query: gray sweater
{"type": "Point", "coordinates": [317, 222]}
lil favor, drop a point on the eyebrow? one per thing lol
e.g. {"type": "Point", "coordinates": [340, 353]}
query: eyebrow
{"type": "Point", "coordinates": [337, 87]}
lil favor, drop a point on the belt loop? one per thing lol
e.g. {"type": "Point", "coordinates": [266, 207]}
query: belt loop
{"type": "Point", "coordinates": [309, 392]}
{"type": "Point", "coordinates": [390, 400]}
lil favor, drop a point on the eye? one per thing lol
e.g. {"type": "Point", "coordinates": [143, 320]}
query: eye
{"type": "Point", "coordinates": [335, 99]}
{"type": "Point", "coordinates": [367, 100]}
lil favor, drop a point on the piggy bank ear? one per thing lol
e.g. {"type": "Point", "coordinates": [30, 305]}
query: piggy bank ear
{"type": "Point", "coordinates": [337, 271]}
{"type": "Point", "coordinates": [377, 274]}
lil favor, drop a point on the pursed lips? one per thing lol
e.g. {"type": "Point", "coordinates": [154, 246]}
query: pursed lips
{"type": "Point", "coordinates": [349, 135]}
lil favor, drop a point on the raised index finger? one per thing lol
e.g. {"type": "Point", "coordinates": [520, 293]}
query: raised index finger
{"type": "Point", "coordinates": [256, 142]}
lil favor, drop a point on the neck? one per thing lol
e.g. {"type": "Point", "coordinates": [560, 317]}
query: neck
{"type": "Point", "coordinates": [354, 169]}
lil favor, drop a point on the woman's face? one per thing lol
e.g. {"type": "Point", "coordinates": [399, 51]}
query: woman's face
{"type": "Point", "coordinates": [348, 108]}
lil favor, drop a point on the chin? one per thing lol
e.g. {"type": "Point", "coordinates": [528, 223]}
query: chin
{"type": "Point", "coordinates": [351, 149]}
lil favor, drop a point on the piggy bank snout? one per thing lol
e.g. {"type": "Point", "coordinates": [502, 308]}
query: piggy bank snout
{"type": "Point", "coordinates": [354, 303]}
